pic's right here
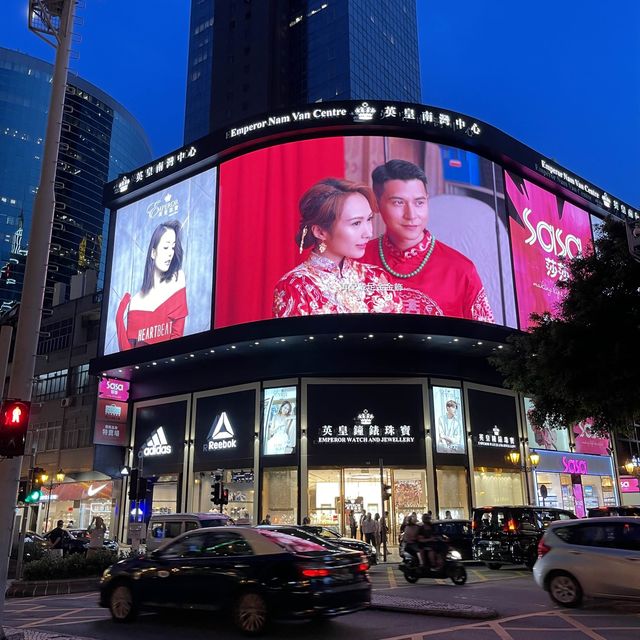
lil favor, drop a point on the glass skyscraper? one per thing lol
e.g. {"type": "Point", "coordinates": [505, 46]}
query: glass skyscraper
{"type": "Point", "coordinates": [99, 140]}
{"type": "Point", "coordinates": [251, 57]}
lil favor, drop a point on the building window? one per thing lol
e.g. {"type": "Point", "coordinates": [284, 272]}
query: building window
{"type": "Point", "coordinates": [49, 386]}
{"type": "Point", "coordinates": [280, 495]}
{"type": "Point", "coordinates": [55, 336]}
{"type": "Point", "coordinates": [81, 380]}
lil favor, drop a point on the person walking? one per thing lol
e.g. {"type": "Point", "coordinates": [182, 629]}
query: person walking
{"type": "Point", "coordinates": [56, 536]}
{"type": "Point", "coordinates": [353, 525]}
{"type": "Point", "coordinates": [369, 529]}
{"type": "Point", "coordinates": [378, 524]}
{"type": "Point", "coordinates": [96, 530]}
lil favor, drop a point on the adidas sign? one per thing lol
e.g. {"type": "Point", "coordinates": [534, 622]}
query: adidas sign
{"type": "Point", "coordinates": [157, 444]}
{"type": "Point", "coordinates": [221, 434]}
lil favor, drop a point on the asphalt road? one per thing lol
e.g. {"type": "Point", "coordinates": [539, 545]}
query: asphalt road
{"type": "Point", "coordinates": [526, 613]}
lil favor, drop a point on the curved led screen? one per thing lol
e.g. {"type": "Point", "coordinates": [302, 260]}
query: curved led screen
{"type": "Point", "coordinates": [362, 225]}
{"type": "Point", "coordinates": [162, 266]}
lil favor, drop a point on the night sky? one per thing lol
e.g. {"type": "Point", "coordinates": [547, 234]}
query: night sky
{"type": "Point", "coordinates": [563, 77]}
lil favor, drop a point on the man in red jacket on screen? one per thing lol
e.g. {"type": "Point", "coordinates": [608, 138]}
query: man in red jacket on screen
{"type": "Point", "coordinates": [436, 279]}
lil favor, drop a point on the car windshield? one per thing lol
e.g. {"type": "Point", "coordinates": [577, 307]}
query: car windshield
{"type": "Point", "coordinates": [291, 544]}
{"type": "Point", "coordinates": [328, 533]}
{"type": "Point", "coordinates": [214, 522]}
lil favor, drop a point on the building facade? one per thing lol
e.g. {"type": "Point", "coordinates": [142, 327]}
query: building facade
{"type": "Point", "coordinates": [99, 140]}
{"type": "Point", "coordinates": [309, 398]}
{"type": "Point", "coordinates": [247, 58]}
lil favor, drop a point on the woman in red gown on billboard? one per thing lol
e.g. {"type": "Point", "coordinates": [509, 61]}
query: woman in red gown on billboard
{"type": "Point", "coordinates": [335, 223]}
{"type": "Point", "coordinates": [158, 311]}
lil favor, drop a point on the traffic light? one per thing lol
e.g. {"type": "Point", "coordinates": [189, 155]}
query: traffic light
{"type": "Point", "coordinates": [22, 491]}
{"type": "Point", "coordinates": [133, 484]}
{"type": "Point", "coordinates": [14, 420]}
{"type": "Point", "coordinates": [216, 492]}
{"type": "Point", "coordinates": [386, 491]}
{"type": "Point", "coordinates": [224, 498]}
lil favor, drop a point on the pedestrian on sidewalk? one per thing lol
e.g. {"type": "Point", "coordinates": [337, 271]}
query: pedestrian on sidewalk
{"type": "Point", "coordinates": [369, 529]}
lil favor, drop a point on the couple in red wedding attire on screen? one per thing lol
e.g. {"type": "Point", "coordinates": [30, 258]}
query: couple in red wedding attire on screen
{"type": "Point", "coordinates": [158, 311]}
{"type": "Point", "coordinates": [406, 270]}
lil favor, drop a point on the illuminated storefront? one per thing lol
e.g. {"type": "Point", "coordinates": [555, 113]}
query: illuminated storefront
{"type": "Point", "coordinates": [309, 380]}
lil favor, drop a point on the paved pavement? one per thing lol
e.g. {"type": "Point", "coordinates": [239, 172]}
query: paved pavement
{"type": "Point", "coordinates": [526, 613]}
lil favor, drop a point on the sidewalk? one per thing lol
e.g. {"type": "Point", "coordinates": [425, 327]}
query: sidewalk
{"type": "Point", "coordinates": [35, 634]}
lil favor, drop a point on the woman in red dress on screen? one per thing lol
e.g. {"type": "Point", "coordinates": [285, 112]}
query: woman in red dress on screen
{"type": "Point", "coordinates": [336, 224]}
{"type": "Point", "coordinates": [158, 311]}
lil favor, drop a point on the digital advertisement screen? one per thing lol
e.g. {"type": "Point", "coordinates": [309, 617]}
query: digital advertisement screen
{"type": "Point", "coordinates": [279, 420]}
{"type": "Point", "coordinates": [448, 420]}
{"type": "Point", "coordinates": [348, 225]}
{"type": "Point", "coordinates": [162, 266]}
{"type": "Point", "coordinates": [544, 437]}
{"type": "Point", "coordinates": [545, 231]}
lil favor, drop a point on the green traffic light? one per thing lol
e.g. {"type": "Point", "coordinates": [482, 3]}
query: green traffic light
{"type": "Point", "coordinates": [34, 496]}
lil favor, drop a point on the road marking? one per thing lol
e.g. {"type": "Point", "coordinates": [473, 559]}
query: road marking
{"type": "Point", "coordinates": [500, 632]}
{"type": "Point", "coordinates": [36, 623]}
{"type": "Point", "coordinates": [393, 583]}
{"type": "Point", "coordinates": [579, 625]}
{"type": "Point", "coordinates": [479, 575]}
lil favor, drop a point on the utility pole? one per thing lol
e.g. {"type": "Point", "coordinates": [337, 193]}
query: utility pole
{"type": "Point", "coordinates": [52, 20]}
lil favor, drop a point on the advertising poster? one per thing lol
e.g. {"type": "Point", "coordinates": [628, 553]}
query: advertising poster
{"type": "Point", "coordinates": [162, 266]}
{"type": "Point", "coordinates": [449, 420]}
{"type": "Point", "coordinates": [279, 420]}
{"type": "Point", "coordinates": [588, 440]}
{"type": "Point", "coordinates": [362, 225]}
{"type": "Point", "coordinates": [545, 232]}
{"type": "Point", "coordinates": [544, 437]}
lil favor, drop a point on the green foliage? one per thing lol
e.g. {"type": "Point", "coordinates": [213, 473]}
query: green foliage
{"type": "Point", "coordinates": [76, 565]}
{"type": "Point", "coordinates": [584, 362]}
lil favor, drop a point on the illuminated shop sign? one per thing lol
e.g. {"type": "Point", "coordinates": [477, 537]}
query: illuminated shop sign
{"type": "Point", "coordinates": [221, 435]}
{"type": "Point", "coordinates": [629, 484]}
{"type": "Point", "coordinates": [365, 431]}
{"type": "Point", "coordinates": [494, 438]}
{"type": "Point", "coordinates": [157, 444]}
{"type": "Point", "coordinates": [113, 389]}
{"type": "Point", "coordinates": [572, 463]}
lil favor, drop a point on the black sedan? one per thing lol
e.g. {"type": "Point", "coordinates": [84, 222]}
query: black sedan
{"type": "Point", "coordinates": [256, 574]}
{"type": "Point", "coordinates": [348, 543]}
{"type": "Point", "coordinates": [458, 534]}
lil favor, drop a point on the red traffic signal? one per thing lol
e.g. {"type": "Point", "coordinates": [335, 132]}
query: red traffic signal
{"type": "Point", "coordinates": [14, 420]}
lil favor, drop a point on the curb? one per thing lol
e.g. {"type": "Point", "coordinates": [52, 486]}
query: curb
{"type": "Point", "coordinates": [31, 588]}
{"type": "Point", "coordinates": [430, 608]}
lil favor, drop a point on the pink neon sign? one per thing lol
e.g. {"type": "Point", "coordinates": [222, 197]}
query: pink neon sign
{"type": "Point", "coordinates": [629, 484]}
{"type": "Point", "coordinates": [573, 465]}
{"type": "Point", "coordinates": [113, 389]}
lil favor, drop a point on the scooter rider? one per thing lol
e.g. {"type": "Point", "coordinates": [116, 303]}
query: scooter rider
{"type": "Point", "coordinates": [411, 539]}
{"type": "Point", "coordinates": [430, 543]}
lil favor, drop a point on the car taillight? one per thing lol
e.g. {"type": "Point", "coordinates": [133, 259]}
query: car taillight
{"type": "Point", "coordinates": [543, 548]}
{"type": "Point", "coordinates": [510, 526]}
{"type": "Point", "coordinates": [314, 573]}
{"type": "Point", "coordinates": [362, 567]}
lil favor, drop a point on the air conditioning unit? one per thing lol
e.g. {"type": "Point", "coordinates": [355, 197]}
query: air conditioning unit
{"type": "Point", "coordinates": [66, 402]}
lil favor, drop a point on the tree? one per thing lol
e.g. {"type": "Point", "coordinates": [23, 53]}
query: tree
{"type": "Point", "coordinates": [584, 362]}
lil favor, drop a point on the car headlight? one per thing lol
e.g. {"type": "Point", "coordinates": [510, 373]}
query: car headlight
{"type": "Point", "coordinates": [107, 573]}
{"type": "Point", "coordinates": [455, 555]}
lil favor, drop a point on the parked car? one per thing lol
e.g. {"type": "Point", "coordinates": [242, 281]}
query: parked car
{"type": "Point", "coordinates": [299, 531]}
{"type": "Point", "coordinates": [626, 510]}
{"type": "Point", "coordinates": [70, 544]}
{"type": "Point", "coordinates": [83, 534]}
{"type": "Point", "coordinates": [166, 526]}
{"type": "Point", "coordinates": [348, 543]}
{"type": "Point", "coordinates": [256, 574]}
{"type": "Point", "coordinates": [459, 535]}
{"type": "Point", "coordinates": [510, 535]}
{"type": "Point", "coordinates": [590, 558]}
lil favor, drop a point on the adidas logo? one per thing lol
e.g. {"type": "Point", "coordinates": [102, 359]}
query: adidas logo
{"type": "Point", "coordinates": [221, 435]}
{"type": "Point", "coordinates": [157, 444]}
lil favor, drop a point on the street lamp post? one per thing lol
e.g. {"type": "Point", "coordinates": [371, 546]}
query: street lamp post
{"type": "Point", "coordinates": [52, 20]}
{"type": "Point", "coordinates": [59, 479]}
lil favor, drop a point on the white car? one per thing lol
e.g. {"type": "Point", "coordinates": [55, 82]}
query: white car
{"type": "Point", "coordinates": [593, 557]}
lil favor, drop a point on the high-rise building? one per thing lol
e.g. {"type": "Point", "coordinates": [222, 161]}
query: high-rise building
{"type": "Point", "coordinates": [99, 140]}
{"type": "Point", "coordinates": [250, 57]}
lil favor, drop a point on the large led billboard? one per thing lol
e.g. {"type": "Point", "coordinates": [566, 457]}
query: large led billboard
{"type": "Point", "coordinates": [162, 266]}
{"type": "Point", "coordinates": [546, 231]}
{"type": "Point", "coordinates": [362, 224]}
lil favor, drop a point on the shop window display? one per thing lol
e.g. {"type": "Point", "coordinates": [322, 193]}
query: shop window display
{"type": "Point", "coordinates": [324, 497]}
{"type": "Point", "coordinates": [494, 486]}
{"type": "Point", "coordinates": [165, 495]}
{"type": "Point", "coordinates": [452, 492]}
{"type": "Point", "coordinates": [280, 495]}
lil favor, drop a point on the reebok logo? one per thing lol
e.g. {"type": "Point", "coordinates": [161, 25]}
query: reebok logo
{"type": "Point", "coordinates": [221, 434]}
{"type": "Point", "coordinates": [157, 444]}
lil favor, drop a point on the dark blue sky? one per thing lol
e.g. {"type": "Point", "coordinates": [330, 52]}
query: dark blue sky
{"type": "Point", "coordinates": [563, 77]}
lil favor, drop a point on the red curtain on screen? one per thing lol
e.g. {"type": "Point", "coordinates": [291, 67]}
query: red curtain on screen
{"type": "Point", "coordinates": [258, 220]}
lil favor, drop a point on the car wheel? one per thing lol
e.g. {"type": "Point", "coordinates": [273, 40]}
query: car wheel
{"type": "Point", "coordinates": [459, 575]}
{"type": "Point", "coordinates": [122, 604]}
{"type": "Point", "coordinates": [250, 614]}
{"type": "Point", "coordinates": [494, 566]}
{"type": "Point", "coordinates": [565, 590]}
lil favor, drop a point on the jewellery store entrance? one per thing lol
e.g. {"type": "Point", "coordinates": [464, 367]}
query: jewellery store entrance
{"type": "Point", "coordinates": [334, 493]}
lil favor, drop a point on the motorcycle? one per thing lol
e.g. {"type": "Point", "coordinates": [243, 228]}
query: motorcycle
{"type": "Point", "coordinates": [451, 568]}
